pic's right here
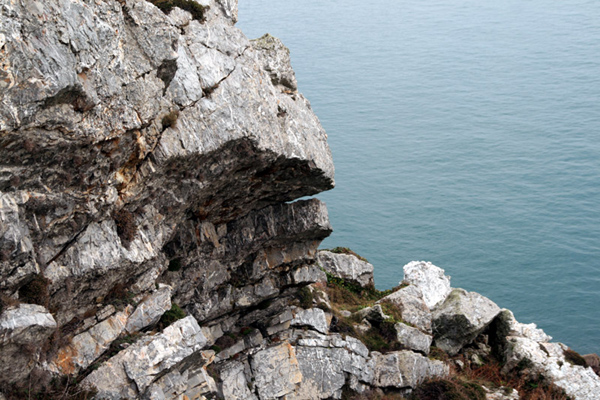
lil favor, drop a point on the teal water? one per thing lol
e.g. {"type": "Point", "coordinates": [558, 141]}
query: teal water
{"type": "Point", "coordinates": [465, 133]}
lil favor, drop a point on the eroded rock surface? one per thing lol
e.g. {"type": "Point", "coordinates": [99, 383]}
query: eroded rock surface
{"type": "Point", "coordinates": [432, 282]}
{"type": "Point", "coordinates": [347, 266]}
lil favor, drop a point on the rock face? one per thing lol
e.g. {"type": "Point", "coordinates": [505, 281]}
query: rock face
{"type": "Point", "coordinates": [414, 310]}
{"type": "Point", "coordinates": [347, 266]}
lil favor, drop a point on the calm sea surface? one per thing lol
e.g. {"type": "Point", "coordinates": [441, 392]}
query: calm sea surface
{"type": "Point", "coordinates": [465, 133]}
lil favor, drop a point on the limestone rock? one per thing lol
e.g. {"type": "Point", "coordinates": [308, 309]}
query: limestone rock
{"type": "Point", "coordinates": [235, 385]}
{"type": "Point", "coordinates": [461, 317]}
{"type": "Point", "coordinates": [86, 347]}
{"type": "Point", "coordinates": [134, 369]}
{"type": "Point", "coordinates": [276, 61]}
{"type": "Point", "coordinates": [432, 282]}
{"type": "Point", "coordinates": [548, 359]}
{"type": "Point", "coordinates": [501, 393]}
{"type": "Point", "coordinates": [405, 369]}
{"type": "Point", "coordinates": [276, 371]}
{"type": "Point", "coordinates": [150, 309]}
{"type": "Point", "coordinates": [347, 266]}
{"type": "Point", "coordinates": [412, 338]}
{"type": "Point", "coordinates": [313, 318]}
{"type": "Point", "coordinates": [22, 329]}
{"type": "Point", "coordinates": [412, 306]}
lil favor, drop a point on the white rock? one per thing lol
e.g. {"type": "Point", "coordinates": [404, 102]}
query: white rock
{"type": "Point", "coordinates": [235, 385]}
{"type": "Point", "coordinates": [434, 285]}
{"type": "Point", "coordinates": [150, 309]}
{"type": "Point", "coordinates": [276, 371]}
{"type": "Point", "coordinates": [314, 318]}
{"type": "Point", "coordinates": [413, 339]}
{"type": "Point", "coordinates": [404, 368]}
{"type": "Point", "coordinates": [414, 310]}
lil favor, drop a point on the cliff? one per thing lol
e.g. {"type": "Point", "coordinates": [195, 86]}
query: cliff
{"type": "Point", "coordinates": [150, 242]}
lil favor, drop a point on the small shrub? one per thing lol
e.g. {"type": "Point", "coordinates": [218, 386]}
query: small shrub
{"type": "Point", "coordinates": [191, 6]}
{"type": "Point", "coordinates": [126, 226]}
{"type": "Point", "coordinates": [305, 296]}
{"type": "Point", "coordinates": [346, 250]}
{"type": "Point", "coordinates": [170, 119]}
{"type": "Point", "coordinates": [448, 389]}
{"type": "Point", "coordinates": [36, 291]}
{"type": "Point", "coordinates": [7, 301]}
{"type": "Point", "coordinates": [246, 330]}
{"type": "Point", "coordinates": [574, 358]}
{"type": "Point", "coordinates": [323, 307]}
{"type": "Point", "coordinates": [174, 314]}
{"type": "Point", "coordinates": [119, 296]}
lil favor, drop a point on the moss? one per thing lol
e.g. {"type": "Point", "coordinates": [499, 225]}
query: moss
{"type": "Point", "coordinates": [305, 296]}
{"type": "Point", "coordinates": [170, 316]}
{"type": "Point", "coordinates": [35, 291]}
{"type": "Point", "coordinates": [191, 6]}
{"type": "Point", "coordinates": [574, 358]}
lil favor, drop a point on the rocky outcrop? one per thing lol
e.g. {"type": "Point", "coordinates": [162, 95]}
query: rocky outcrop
{"type": "Point", "coordinates": [346, 266]}
{"type": "Point", "coordinates": [151, 244]}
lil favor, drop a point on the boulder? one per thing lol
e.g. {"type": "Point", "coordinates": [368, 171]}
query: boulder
{"type": "Point", "coordinates": [373, 314]}
{"type": "Point", "coordinates": [314, 318]}
{"type": "Point", "coordinates": [405, 369]}
{"type": "Point", "coordinates": [460, 318]}
{"type": "Point", "coordinates": [276, 371]}
{"type": "Point", "coordinates": [410, 301]}
{"type": "Point", "coordinates": [432, 282]}
{"type": "Point", "coordinates": [347, 266]}
{"type": "Point", "coordinates": [412, 338]}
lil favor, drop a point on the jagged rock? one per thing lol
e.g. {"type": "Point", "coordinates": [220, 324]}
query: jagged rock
{"type": "Point", "coordinates": [372, 314]}
{"type": "Point", "coordinates": [86, 347]}
{"type": "Point", "coordinates": [23, 329]}
{"type": "Point", "coordinates": [314, 318]}
{"type": "Point", "coordinates": [276, 61]}
{"type": "Point", "coordinates": [192, 383]}
{"type": "Point", "coordinates": [276, 371]}
{"type": "Point", "coordinates": [150, 309]}
{"type": "Point", "coordinates": [347, 266]}
{"type": "Point", "coordinates": [133, 370]}
{"type": "Point", "coordinates": [414, 310]}
{"type": "Point", "coordinates": [506, 325]}
{"type": "Point", "coordinates": [405, 369]}
{"type": "Point", "coordinates": [412, 338]}
{"type": "Point", "coordinates": [235, 385]}
{"type": "Point", "coordinates": [548, 360]}
{"type": "Point", "coordinates": [325, 361]}
{"type": "Point", "coordinates": [460, 318]}
{"type": "Point", "coordinates": [432, 282]}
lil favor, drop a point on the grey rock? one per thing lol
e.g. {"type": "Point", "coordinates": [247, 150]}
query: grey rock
{"type": "Point", "coordinates": [276, 371]}
{"type": "Point", "coordinates": [276, 61]}
{"type": "Point", "coordinates": [432, 282]}
{"type": "Point", "coordinates": [314, 318]}
{"type": "Point", "coordinates": [347, 266]}
{"type": "Point", "coordinates": [372, 314]}
{"type": "Point", "coordinates": [548, 360]}
{"type": "Point", "coordinates": [22, 329]}
{"type": "Point", "coordinates": [25, 323]}
{"type": "Point", "coordinates": [86, 347]}
{"type": "Point", "coordinates": [134, 369]}
{"type": "Point", "coordinates": [235, 385]}
{"type": "Point", "coordinates": [461, 317]}
{"type": "Point", "coordinates": [412, 306]}
{"type": "Point", "coordinates": [150, 309]}
{"type": "Point", "coordinates": [405, 369]}
{"type": "Point", "coordinates": [501, 393]}
{"type": "Point", "coordinates": [412, 338]}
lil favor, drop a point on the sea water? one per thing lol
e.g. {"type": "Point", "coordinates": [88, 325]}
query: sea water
{"type": "Point", "coordinates": [465, 133]}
